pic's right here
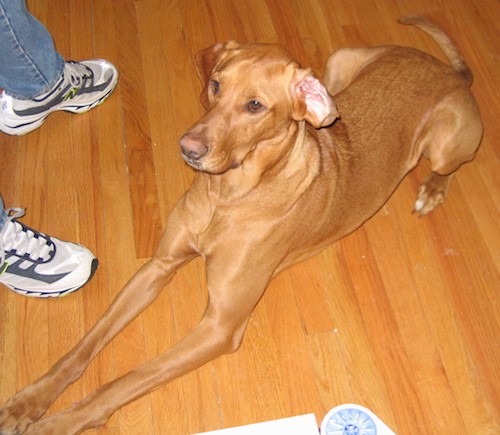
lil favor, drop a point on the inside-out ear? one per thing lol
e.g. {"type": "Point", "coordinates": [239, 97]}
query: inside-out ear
{"type": "Point", "coordinates": [312, 101]}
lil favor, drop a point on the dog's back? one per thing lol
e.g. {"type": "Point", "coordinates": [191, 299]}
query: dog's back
{"type": "Point", "coordinates": [397, 104]}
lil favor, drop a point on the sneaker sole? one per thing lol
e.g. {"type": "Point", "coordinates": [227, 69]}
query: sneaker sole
{"type": "Point", "coordinates": [60, 293]}
{"type": "Point", "coordinates": [26, 127]}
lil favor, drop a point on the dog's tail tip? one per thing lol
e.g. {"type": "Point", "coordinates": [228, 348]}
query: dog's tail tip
{"type": "Point", "coordinates": [412, 20]}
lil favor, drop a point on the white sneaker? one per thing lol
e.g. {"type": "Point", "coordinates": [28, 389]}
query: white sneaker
{"type": "Point", "coordinates": [82, 86]}
{"type": "Point", "coordinates": [34, 264]}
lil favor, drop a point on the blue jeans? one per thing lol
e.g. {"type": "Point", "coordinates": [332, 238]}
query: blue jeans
{"type": "Point", "coordinates": [29, 62]}
{"type": "Point", "coordinates": [3, 214]}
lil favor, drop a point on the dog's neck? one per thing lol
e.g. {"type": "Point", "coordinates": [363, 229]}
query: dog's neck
{"type": "Point", "coordinates": [271, 166]}
{"type": "Point", "coordinates": [287, 169]}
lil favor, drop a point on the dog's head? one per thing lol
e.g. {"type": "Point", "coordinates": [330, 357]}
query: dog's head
{"type": "Point", "coordinates": [252, 93]}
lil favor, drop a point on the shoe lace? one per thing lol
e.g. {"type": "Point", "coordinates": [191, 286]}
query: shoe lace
{"type": "Point", "coordinates": [78, 74]}
{"type": "Point", "coordinates": [22, 241]}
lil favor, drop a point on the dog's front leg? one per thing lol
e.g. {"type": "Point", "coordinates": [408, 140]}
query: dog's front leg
{"type": "Point", "coordinates": [235, 286]}
{"type": "Point", "coordinates": [29, 404]}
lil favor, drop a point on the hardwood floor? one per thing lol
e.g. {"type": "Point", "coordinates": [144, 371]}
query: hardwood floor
{"type": "Point", "coordinates": [402, 316]}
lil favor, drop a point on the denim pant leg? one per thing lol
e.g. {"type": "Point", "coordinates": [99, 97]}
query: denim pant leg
{"type": "Point", "coordinates": [29, 62]}
{"type": "Point", "coordinates": [3, 214]}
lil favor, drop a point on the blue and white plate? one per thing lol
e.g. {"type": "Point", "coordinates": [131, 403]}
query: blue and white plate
{"type": "Point", "coordinates": [351, 419]}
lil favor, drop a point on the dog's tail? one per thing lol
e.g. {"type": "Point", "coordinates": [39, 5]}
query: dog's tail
{"type": "Point", "coordinates": [444, 42]}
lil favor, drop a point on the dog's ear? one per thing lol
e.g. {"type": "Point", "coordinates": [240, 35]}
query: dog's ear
{"type": "Point", "coordinates": [205, 61]}
{"type": "Point", "coordinates": [311, 100]}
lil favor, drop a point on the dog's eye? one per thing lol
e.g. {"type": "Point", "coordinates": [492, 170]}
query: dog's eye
{"type": "Point", "coordinates": [254, 106]}
{"type": "Point", "coordinates": [215, 86]}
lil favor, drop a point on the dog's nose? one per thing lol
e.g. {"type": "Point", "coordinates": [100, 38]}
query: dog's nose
{"type": "Point", "coordinates": [192, 147]}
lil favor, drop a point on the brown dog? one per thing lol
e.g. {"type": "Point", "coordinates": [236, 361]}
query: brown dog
{"type": "Point", "coordinates": [274, 187]}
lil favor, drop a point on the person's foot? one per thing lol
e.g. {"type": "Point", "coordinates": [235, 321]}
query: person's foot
{"type": "Point", "coordinates": [82, 86]}
{"type": "Point", "coordinates": [34, 264]}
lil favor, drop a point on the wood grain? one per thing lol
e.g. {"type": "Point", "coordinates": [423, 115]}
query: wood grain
{"type": "Point", "coordinates": [401, 316]}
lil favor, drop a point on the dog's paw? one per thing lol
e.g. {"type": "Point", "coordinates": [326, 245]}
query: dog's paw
{"type": "Point", "coordinates": [13, 420]}
{"type": "Point", "coordinates": [431, 193]}
{"type": "Point", "coordinates": [21, 410]}
{"type": "Point", "coordinates": [426, 202]}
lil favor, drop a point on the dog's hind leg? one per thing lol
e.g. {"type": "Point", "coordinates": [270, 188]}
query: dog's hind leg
{"type": "Point", "coordinates": [450, 138]}
{"type": "Point", "coordinates": [343, 65]}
